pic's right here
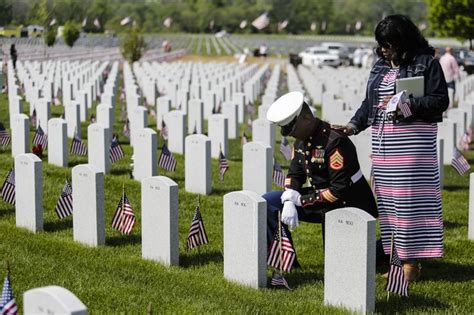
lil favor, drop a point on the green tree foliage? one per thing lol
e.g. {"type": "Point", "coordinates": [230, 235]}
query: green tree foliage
{"type": "Point", "coordinates": [71, 33]}
{"type": "Point", "coordinates": [50, 36]}
{"type": "Point", "coordinates": [453, 18]}
{"type": "Point", "coordinates": [133, 45]}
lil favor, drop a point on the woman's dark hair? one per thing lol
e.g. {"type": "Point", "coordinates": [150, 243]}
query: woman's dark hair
{"type": "Point", "coordinates": [400, 34]}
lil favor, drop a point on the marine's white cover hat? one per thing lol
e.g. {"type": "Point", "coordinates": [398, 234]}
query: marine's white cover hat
{"type": "Point", "coordinates": [286, 108]}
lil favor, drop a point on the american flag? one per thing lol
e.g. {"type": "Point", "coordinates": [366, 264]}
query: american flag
{"type": "Point", "coordinates": [218, 109]}
{"type": "Point", "coordinates": [33, 118]}
{"type": "Point", "coordinates": [167, 160]}
{"type": "Point", "coordinates": [126, 128]}
{"type": "Point", "coordinates": [244, 139]}
{"type": "Point", "coordinates": [405, 108]}
{"type": "Point", "coordinates": [40, 138]}
{"type": "Point", "coordinates": [396, 282]}
{"type": "Point", "coordinates": [250, 108]}
{"type": "Point", "coordinates": [77, 146]}
{"type": "Point", "coordinates": [4, 136]}
{"type": "Point", "coordinates": [249, 124]}
{"type": "Point", "coordinates": [124, 218]}
{"type": "Point", "coordinates": [8, 188]}
{"type": "Point", "coordinates": [197, 233]}
{"type": "Point", "coordinates": [464, 141]}
{"type": "Point", "coordinates": [8, 304]}
{"type": "Point", "coordinates": [223, 165]}
{"type": "Point", "coordinates": [459, 162]}
{"type": "Point", "coordinates": [64, 205]}
{"type": "Point", "coordinates": [285, 148]}
{"type": "Point", "coordinates": [93, 120]}
{"type": "Point", "coordinates": [261, 22]}
{"type": "Point", "coordinates": [116, 152]}
{"type": "Point", "coordinates": [278, 175]}
{"type": "Point", "coordinates": [279, 280]}
{"type": "Point", "coordinates": [164, 130]}
{"type": "Point", "coordinates": [288, 254]}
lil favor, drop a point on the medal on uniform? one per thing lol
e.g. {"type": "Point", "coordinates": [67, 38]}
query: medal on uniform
{"type": "Point", "coordinates": [318, 156]}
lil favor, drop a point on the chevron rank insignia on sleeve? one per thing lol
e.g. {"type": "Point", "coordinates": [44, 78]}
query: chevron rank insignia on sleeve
{"type": "Point", "coordinates": [336, 161]}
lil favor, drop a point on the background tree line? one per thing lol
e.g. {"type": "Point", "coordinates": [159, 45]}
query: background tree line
{"type": "Point", "coordinates": [435, 17]}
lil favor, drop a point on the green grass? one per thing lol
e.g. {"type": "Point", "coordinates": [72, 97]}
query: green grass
{"type": "Point", "coordinates": [115, 279]}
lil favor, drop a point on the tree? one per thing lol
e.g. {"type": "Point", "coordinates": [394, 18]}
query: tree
{"type": "Point", "coordinates": [71, 33]}
{"type": "Point", "coordinates": [133, 45]}
{"type": "Point", "coordinates": [50, 36]}
{"type": "Point", "coordinates": [453, 18]}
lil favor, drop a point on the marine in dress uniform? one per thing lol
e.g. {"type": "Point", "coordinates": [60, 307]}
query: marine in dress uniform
{"type": "Point", "coordinates": [322, 157]}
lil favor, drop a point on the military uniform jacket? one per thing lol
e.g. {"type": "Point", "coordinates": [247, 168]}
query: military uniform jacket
{"type": "Point", "coordinates": [328, 159]}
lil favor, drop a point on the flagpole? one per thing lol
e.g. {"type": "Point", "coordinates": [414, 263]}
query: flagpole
{"type": "Point", "coordinates": [199, 207]}
{"type": "Point", "coordinates": [279, 243]}
{"type": "Point", "coordinates": [123, 203]}
{"type": "Point", "coordinates": [391, 254]}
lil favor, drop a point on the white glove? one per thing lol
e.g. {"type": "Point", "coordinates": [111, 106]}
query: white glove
{"type": "Point", "coordinates": [291, 195]}
{"type": "Point", "coordinates": [289, 215]}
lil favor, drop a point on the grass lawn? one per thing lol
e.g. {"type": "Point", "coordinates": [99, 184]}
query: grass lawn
{"type": "Point", "coordinates": [115, 279]}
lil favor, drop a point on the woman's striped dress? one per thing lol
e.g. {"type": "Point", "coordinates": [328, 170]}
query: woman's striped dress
{"type": "Point", "coordinates": [407, 186]}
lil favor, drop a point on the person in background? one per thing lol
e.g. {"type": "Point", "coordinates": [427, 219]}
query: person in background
{"type": "Point", "coordinates": [324, 157]}
{"type": "Point", "coordinates": [262, 51]}
{"type": "Point", "coordinates": [404, 145]}
{"type": "Point", "coordinates": [13, 55]}
{"type": "Point", "coordinates": [451, 72]}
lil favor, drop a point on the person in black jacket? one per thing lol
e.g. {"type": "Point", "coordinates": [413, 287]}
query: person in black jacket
{"type": "Point", "coordinates": [404, 142]}
{"type": "Point", "coordinates": [322, 155]}
{"type": "Point", "coordinates": [13, 55]}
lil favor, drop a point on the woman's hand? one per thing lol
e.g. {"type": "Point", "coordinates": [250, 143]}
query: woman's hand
{"type": "Point", "coordinates": [347, 129]}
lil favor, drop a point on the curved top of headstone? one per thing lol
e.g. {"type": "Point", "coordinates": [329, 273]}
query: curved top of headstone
{"type": "Point", "coordinates": [139, 109]}
{"type": "Point", "coordinates": [245, 193]}
{"type": "Point", "coordinates": [262, 121]}
{"type": "Point", "coordinates": [164, 98]}
{"type": "Point", "coordinates": [175, 113]}
{"type": "Point", "coordinates": [57, 298]}
{"type": "Point", "coordinates": [27, 157]}
{"type": "Point", "coordinates": [103, 105]}
{"type": "Point", "coordinates": [162, 180]}
{"type": "Point", "coordinates": [256, 145]}
{"type": "Point", "coordinates": [57, 120]}
{"type": "Point", "coordinates": [147, 131]}
{"type": "Point", "coordinates": [20, 117]}
{"type": "Point", "coordinates": [198, 137]}
{"type": "Point", "coordinates": [90, 168]}
{"type": "Point", "coordinates": [73, 104]}
{"type": "Point", "coordinates": [217, 116]}
{"type": "Point", "coordinates": [195, 100]}
{"type": "Point", "coordinates": [96, 126]}
{"type": "Point", "coordinates": [354, 212]}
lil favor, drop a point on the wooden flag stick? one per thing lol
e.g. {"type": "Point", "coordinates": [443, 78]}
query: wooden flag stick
{"type": "Point", "coordinates": [390, 262]}
{"type": "Point", "coordinates": [7, 266]}
{"type": "Point", "coordinates": [149, 309]}
{"type": "Point", "coordinates": [279, 243]}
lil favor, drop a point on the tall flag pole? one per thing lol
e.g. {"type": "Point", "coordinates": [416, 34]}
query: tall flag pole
{"type": "Point", "coordinates": [396, 281]}
{"type": "Point", "coordinates": [7, 302]}
{"type": "Point", "coordinates": [197, 233]}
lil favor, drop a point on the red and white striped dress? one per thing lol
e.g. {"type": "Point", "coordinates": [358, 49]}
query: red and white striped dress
{"type": "Point", "coordinates": [407, 185]}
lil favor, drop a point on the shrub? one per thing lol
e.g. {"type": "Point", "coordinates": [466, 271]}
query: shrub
{"type": "Point", "coordinates": [133, 45]}
{"type": "Point", "coordinates": [71, 33]}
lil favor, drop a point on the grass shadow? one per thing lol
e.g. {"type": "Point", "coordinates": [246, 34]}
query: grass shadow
{"type": "Point", "coordinates": [76, 162]}
{"type": "Point", "coordinates": [123, 240]}
{"type": "Point", "coordinates": [454, 187]}
{"type": "Point", "coordinates": [303, 277]}
{"type": "Point", "coordinates": [452, 225]}
{"type": "Point", "coordinates": [56, 226]}
{"type": "Point", "coordinates": [414, 303]}
{"type": "Point", "coordinates": [446, 271]}
{"type": "Point", "coordinates": [7, 212]}
{"type": "Point", "coordinates": [195, 258]}
{"type": "Point", "coordinates": [120, 171]}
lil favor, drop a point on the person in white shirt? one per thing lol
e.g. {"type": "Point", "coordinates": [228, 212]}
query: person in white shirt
{"type": "Point", "coordinates": [451, 72]}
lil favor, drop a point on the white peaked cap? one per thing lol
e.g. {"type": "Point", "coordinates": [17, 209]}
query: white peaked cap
{"type": "Point", "coordinates": [286, 108]}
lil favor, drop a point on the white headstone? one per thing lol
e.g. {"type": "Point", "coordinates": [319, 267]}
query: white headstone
{"type": "Point", "coordinates": [57, 142]}
{"type": "Point", "coordinates": [195, 116]}
{"type": "Point", "coordinates": [363, 145]}
{"type": "Point", "coordinates": [43, 112]}
{"type": "Point", "coordinates": [83, 106]}
{"type": "Point", "coordinates": [163, 106]}
{"type": "Point", "coordinates": [447, 132]}
{"type": "Point", "coordinates": [98, 146]}
{"type": "Point", "coordinates": [230, 111]}
{"type": "Point", "coordinates": [28, 192]}
{"type": "Point", "coordinates": [218, 133]}
{"type": "Point", "coordinates": [88, 205]}
{"type": "Point", "coordinates": [470, 233]}
{"type": "Point", "coordinates": [197, 167]}
{"type": "Point", "coordinates": [144, 152]}
{"type": "Point", "coordinates": [176, 123]}
{"type": "Point", "coordinates": [245, 238]}
{"type": "Point", "coordinates": [210, 103]}
{"type": "Point", "coordinates": [257, 167]}
{"type": "Point", "coordinates": [160, 237]}
{"type": "Point", "coordinates": [263, 131]}
{"type": "Point", "coordinates": [349, 260]}
{"type": "Point", "coordinates": [52, 300]}
{"type": "Point", "coordinates": [239, 99]}
{"type": "Point", "coordinates": [20, 134]}
{"type": "Point", "coordinates": [105, 117]}
{"type": "Point", "coordinates": [73, 119]}
{"type": "Point", "coordinates": [138, 120]}
{"type": "Point", "coordinates": [15, 106]}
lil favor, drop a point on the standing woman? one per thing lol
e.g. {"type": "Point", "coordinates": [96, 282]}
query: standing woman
{"type": "Point", "coordinates": [404, 153]}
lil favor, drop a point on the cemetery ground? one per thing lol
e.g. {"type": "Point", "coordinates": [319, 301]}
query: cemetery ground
{"type": "Point", "coordinates": [115, 279]}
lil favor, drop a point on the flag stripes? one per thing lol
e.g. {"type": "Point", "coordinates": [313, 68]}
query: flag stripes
{"type": "Point", "coordinates": [7, 303]}
{"type": "Point", "coordinates": [115, 152]}
{"type": "Point", "coordinates": [64, 205]}
{"type": "Point", "coordinates": [78, 147]}
{"type": "Point", "coordinates": [124, 218]}
{"type": "Point", "coordinates": [223, 165]}
{"type": "Point", "coordinates": [126, 128]}
{"type": "Point", "coordinates": [396, 281]}
{"type": "Point", "coordinates": [167, 160]}
{"type": "Point", "coordinates": [459, 162]}
{"type": "Point", "coordinates": [285, 148]}
{"type": "Point", "coordinates": [40, 138]}
{"type": "Point", "coordinates": [197, 233]}
{"type": "Point", "coordinates": [8, 188]}
{"type": "Point", "coordinates": [4, 136]}
{"type": "Point", "coordinates": [288, 255]}
{"type": "Point", "coordinates": [278, 175]}
{"type": "Point", "coordinates": [279, 280]}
